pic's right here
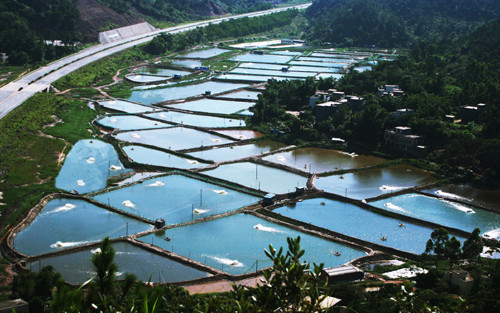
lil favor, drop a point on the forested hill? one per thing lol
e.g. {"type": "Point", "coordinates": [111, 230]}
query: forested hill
{"type": "Point", "coordinates": [396, 23]}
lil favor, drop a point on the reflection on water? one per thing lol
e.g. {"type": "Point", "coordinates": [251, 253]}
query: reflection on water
{"type": "Point", "coordinates": [154, 157]}
{"type": "Point", "coordinates": [129, 122]}
{"type": "Point", "coordinates": [236, 244]}
{"type": "Point", "coordinates": [214, 106]}
{"type": "Point", "coordinates": [237, 152]}
{"type": "Point", "coordinates": [76, 268]}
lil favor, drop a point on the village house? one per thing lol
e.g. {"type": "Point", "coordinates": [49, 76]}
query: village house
{"type": "Point", "coordinates": [390, 90]}
{"type": "Point", "coordinates": [326, 103]}
{"type": "Point", "coordinates": [470, 113]}
{"type": "Point", "coordinates": [403, 140]}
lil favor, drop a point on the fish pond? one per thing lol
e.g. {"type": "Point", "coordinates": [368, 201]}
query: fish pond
{"type": "Point", "coordinates": [124, 106]}
{"type": "Point", "coordinates": [316, 160]}
{"type": "Point", "coordinates": [67, 223]}
{"type": "Point", "coordinates": [259, 177]}
{"type": "Point", "coordinates": [160, 71]}
{"type": "Point", "coordinates": [176, 199]}
{"type": "Point", "coordinates": [443, 212]}
{"type": "Point", "coordinates": [214, 106]}
{"type": "Point", "coordinates": [154, 157]}
{"type": "Point", "coordinates": [265, 58]}
{"type": "Point", "coordinates": [175, 138]}
{"type": "Point", "coordinates": [204, 54]}
{"type": "Point", "coordinates": [238, 152]}
{"type": "Point", "coordinates": [374, 182]}
{"type": "Point", "coordinates": [150, 96]}
{"type": "Point", "coordinates": [236, 244]}
{"type": "Point", "coordinates": [356, 222]}
{"type": "Point", "coordinates": [197, 119]}
{"type": "Point", "coordinates": [88, 165]}
{"type": "Point", "coordinates": [76, 268]}
{"type": "Point", "coordinates": [129, 122]}
{"type": "Point", "coordinates": [489, 198]}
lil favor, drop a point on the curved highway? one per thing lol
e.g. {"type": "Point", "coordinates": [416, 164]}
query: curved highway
{"type": "Point", "coordinates": [16, 92]}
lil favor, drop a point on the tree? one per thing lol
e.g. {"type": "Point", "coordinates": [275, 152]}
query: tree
{"type": "Point", "coordinates": [473, 246]}
{"type": "Point", "coordinates": [437, 243]}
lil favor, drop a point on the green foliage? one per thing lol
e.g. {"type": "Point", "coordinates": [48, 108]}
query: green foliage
{"type": "Point", "coordinates": [234, 28]}
{"type": "Point", "coordinates": [25, 24]}
{"type": "Point", "coordinates": [473, 246]}
{"type": "Point", "coordinates": [387, 23]}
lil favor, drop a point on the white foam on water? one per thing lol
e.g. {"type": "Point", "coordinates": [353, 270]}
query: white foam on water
{"type": "Point", "coordinates": [495, 234]}
{"type": "Point", "coordinates": [242, 137]}
{"type": "Point", "coordinates": [267, 228]}
{"type": "Point", "coordinates": [281, 158]}
{"type": "Point", "coordinates": [162, 115]}
{"type": "Point", "coordinates": [135, 135]}
{"type": "Point", "coordinates": [115, 168]}
{"type": "Point", "coordinates": [64, 208]}
{"type": "Point", "coordinates": [394, 207]}
{"type": "Point", "coordinates": [113, 120]}
{"type": "Point", "coordinates": [192, 161]}
{"type": "Point", "coordinates": [220, 192]}
{"type": "Point", "coordinates": [406, 272]}
{"type": "Point", "coordinates": [215, 140]}
{"type": "Point", "coordinates": [460, 207]}
{"type": "Point", "coordinates": [225, 261]}
{"type": "Point", "coordinates": [157, 184]}
{"type": "Point", "coordinates": [128, 204]}
{"type": "Point", "coordinates": [449, 195]}
{"type": "Point", "coordinates": [95, 251]}
{"type": "Point", "coordinates": [91, 160]}
{"type": "Point", "coordinates": [351, 154]}
{"type": "Point", "coordinates": [200, 211]}
{"type": "Point", "coordinates": [80, 182]}
{"type": "Point", "coordinates": [390, 188]}
{"type": "Point", "coordinates": [60, 244]}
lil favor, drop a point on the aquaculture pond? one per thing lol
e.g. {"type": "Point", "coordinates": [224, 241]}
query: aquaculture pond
{"type": "Point", "coordinates": [317, 64]}
{"type": "Point", "coordinates": [361, 69]}
{"type": "Point", "coordinates": [316, 160]}
{"type": "Point", "coordinates": [236, 244]}
{"type": "Point", "coordinates": [374, 182]}
{"type": "Point", "coordinates": [354, 221]}
{"type": "Point", "coordinates": [88, 165]}
{"type": "Point", "coordinates": [326, 60]}
{"type": "Point", "coordinates": [176, 199]}
{"type": "Point", "coordinates": [67, 222]}
{"type": "Point", "coordinates": [214, 106]}
{"type": "Point", "coordinates": [150, 96]}
{"type": "Point", "coordinates": [265, 58]}
{"type": "Point", "coordinates": [175, 138]}
{"type": "Point", "coordinates": [124, 106]}
{"type": "Point", "coordinates": [129, 122]}
{"type": "Point", "coordinates": [259, 177]}
{"type": "Point", "coordinates": [242, 94]}
{"type": "Point", "coordinates": [198, 119]}
{"type": "Point", "coordinates": [253, 78]}
{"type": "Point", "coordinates": [238, 152]}
{"type": "Point", "coordinates": [160, 71]}
{"type": "Point", "coordinates": [314, 69]}
{"type": "Point", "coordinates": [144, 79]}
{"type": "Point", "coordinates": [154, 157]}
{"type": "Point", "coordinates": [263, 66]}
{"type": "Point", "coordinates": [331, 55]}
{"type": "Point", "coordinates": [443, 212]}
{"type": "Point", "coordinates": [287, 52]}
{"type": "Point", "coordinates": [240, 134]}
{"type": "Point", "coordinates": [262, 72]}
{"type": "Point", "coordinates": [76, 268]}
{"type": "Point", "coordinates": [489, 198]}
{"type": "Point", "coordinates": [204, 54]}
{"type": "Point", "coordinates": [328, 75]}
{"type": "Point", "coordinates": [187, 63]}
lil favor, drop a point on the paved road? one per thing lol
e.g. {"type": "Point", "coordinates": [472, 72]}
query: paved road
{"type": "Point", "coordinates": [15, 93]}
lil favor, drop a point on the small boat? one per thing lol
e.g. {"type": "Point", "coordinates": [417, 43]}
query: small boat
{"type": "Point", "coordinates": [383, 238]}
{"type": "Point", "coordinates": [322, 203]}
{"type": "Point", "coordinates": [167, 238]}
{"type": "Point", "coordinates": [341, 177]}
{"type": "Point", "coordinates": [401, 224]}
{"type": "Point", "coordinates": [336, 253]}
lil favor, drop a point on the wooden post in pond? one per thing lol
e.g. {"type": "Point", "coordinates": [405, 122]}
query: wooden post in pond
{"type": "Point", "coordinates": [201, 198]}
{"type": "Point", "coordinates": [192, 211]}
{"type": "Point", "coordinates": [127, 229]}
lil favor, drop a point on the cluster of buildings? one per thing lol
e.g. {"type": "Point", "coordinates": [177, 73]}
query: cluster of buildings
{"type": "Point", "coordinates": [326, 103]}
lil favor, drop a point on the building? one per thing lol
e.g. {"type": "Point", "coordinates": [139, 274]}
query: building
{"type": "Point", "coordinates": [3, 57]}
{"type": "Point", "coordinates": [403, 140]}
{"type": "Point", "coordinates": [343, 273]}
{"type": "Point", "coordinates": [460, 279]}
{"type": "Point", "coordinates": [390, 90]}
{"type": "Point", "coordinates": [401, 113]}
{"type": "Point", "coordinates": [326, 103]}
{"type": "Point", "coordinates": [471, 113]}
